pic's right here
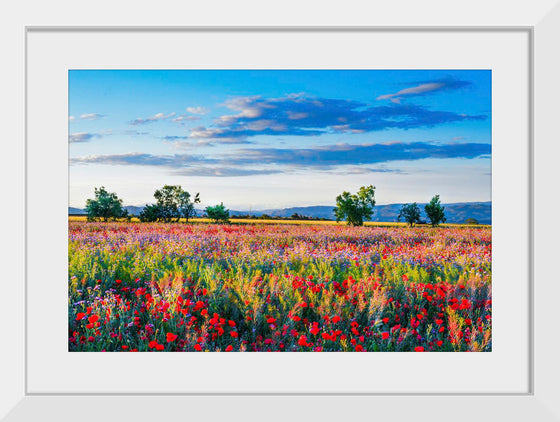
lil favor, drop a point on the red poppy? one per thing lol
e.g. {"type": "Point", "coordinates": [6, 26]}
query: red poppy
{"type": "Point", "coordinates": [152, 344]}
{"type": "Point", "coordinates": [385, 320]}
{"type": "Point", "coordinates": [80, 316]}
{"type": "Point", "coordinates": [93, 319]}
{"type": "Point", "coordinates": [439, 321]}
{"type": "Point", "coordinates": [359, 348]}
{"type": "Point", "coordinates": [271, 320]}
{"type": "Point", "coordinates": [171, 337]}
{"type": "Point", "coordinates": [419, 349]}
{"type": "Point", "coordinates": [198, 347]}
{"type": "Point", "coordinates": [234, 334]}
{"type": "Point", "coordinates": [160, 347]}
{"type": "Point", "coordinates": [315, 329]}
{"type": "Point", "coordinates": [229, 348]}
{"type": "Point", "coordinates": [335, 319]}
{"type": "Point", "coordinates": [302, 341]}
{"type": "Point", "coordinates": [385, 335]}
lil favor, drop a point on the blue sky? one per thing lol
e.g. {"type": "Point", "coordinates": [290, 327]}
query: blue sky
{"type": "Point", "coordinates": [261, 139]}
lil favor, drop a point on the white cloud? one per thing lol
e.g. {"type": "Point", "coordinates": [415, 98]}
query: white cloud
{"type": "Point", "coordinates": [154, 118]}
{"type": "Point", "coordinates": [185, 118]}
{"type": "Point", "coordinates": [423, 88]}
{"type": "Point", "coordinates": [415, 90]}
{"type": "Point", "coordinates": [296, 116]}
{"type": "Point", "coordinates": [87, 136]}
{"type": "Point", "coordinates": [80, 137]}
{"type": "Point", "coordinates": [91, 116]}
{"type": "Point", "coordinates": [197, 110]}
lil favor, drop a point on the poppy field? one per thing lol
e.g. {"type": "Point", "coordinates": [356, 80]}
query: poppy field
{"type": "Point", "coordinates": [137, 287]}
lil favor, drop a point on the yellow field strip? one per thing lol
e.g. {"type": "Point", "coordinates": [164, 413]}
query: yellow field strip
{"type": "Point", "coordinates": [297, 222]}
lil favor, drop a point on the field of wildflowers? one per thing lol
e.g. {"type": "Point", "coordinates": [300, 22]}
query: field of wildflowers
{"type": "Point", "coordinates": [278, 287]}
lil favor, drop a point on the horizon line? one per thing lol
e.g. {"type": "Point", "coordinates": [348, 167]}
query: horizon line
{"type": "Point", "coordinates": [250, 208]}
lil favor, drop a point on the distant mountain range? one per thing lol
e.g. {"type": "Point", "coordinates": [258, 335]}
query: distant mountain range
{"type": "Point", "coordinates": [455, 213]}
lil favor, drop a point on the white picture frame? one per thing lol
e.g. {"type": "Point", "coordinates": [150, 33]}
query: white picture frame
{"type": "Point", "coordinates": [541, 23]}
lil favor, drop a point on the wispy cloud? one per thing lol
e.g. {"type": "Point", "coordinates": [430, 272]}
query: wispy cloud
{"type": "Point", "coordinates": [179, 164]}
{"type": "Point", "coordinates": [207, 171]}
{"type": "Point", "coordinates": [342, 158]}
{"type": "Point", "coordinates": [85, 136]}
{"type": "Point", "coordinates": [91, 116]}
{"type": "Point", "coordinates": [197, 110]}
{"type": "Point", "coordinates": [80, 137]}
{"type": "Point", "coordinates": [184, 118]}
{"type": "Point", "coordinates": [186, 142]}
{"type": "Point", "coordinates": [348, 154]}
{"type": "Point", "coordinates": [135, 133]}
{"type": "Point", "coordinates": [424, 88]}
{"type": "Point", "coordinates": [346, 170]}
{"type": "Point", "coordinates": [173, 138]}
{"type": "Point", "coordinates": [151, 119]}
{"type": "Point", "coordinates": [142, 159]}
{"type": "Point", "coordinates": [71, 118]}
{"type": "Point", "coordinates": [301, 115]}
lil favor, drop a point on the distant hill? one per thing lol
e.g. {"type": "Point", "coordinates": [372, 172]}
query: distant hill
{"type": "Point", "coordinates": [75, 211]}
{"type": "Point", "coordinates": [455, 213]}
{"type": "Point", "coordinates": [132, 209]}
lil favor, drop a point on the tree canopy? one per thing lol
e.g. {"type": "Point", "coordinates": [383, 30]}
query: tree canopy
{"type": "Point", "coordinates": [105, 206]}
{"type": "Point", "coordinates": [355, 208]}
{"type": "Point", "coordinates": [219, 213]}
{"type": "Point", "coordinates": [435, 212]}
{"type": "Point", "coordinates": [150, 213]}
{"type": "Point", "coordinates": [471, 221]}
{"type": "Point", "coordinates": [410, 213]}
{"type": "Point", "coordinates": [173, 203]}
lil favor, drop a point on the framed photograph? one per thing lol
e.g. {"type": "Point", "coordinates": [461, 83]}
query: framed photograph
{"type": "Point", "coordinates": [345, 196]}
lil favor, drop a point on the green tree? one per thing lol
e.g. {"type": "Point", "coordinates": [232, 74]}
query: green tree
{"type": "Point", "coordinates": [435, 212]}
{"type": "Point", "coordinates": [355, 208]}
{"type": "Point", "coordinates": [126, 215]}
{"type": "Point", "coordinates": [410, 213]}
{"type": "Point", "coordinates": [105, 206]}
{"type": "Point", "coordinates": [471, 221]}
{"type": "Point", "coordinates": [174, 203]}
{"type": "Point", "coordinates": [186, 205]}
{"type": "Point", "coordinates": [219, 213]}
{"type": "Point", "coordinates": [150, 213]}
